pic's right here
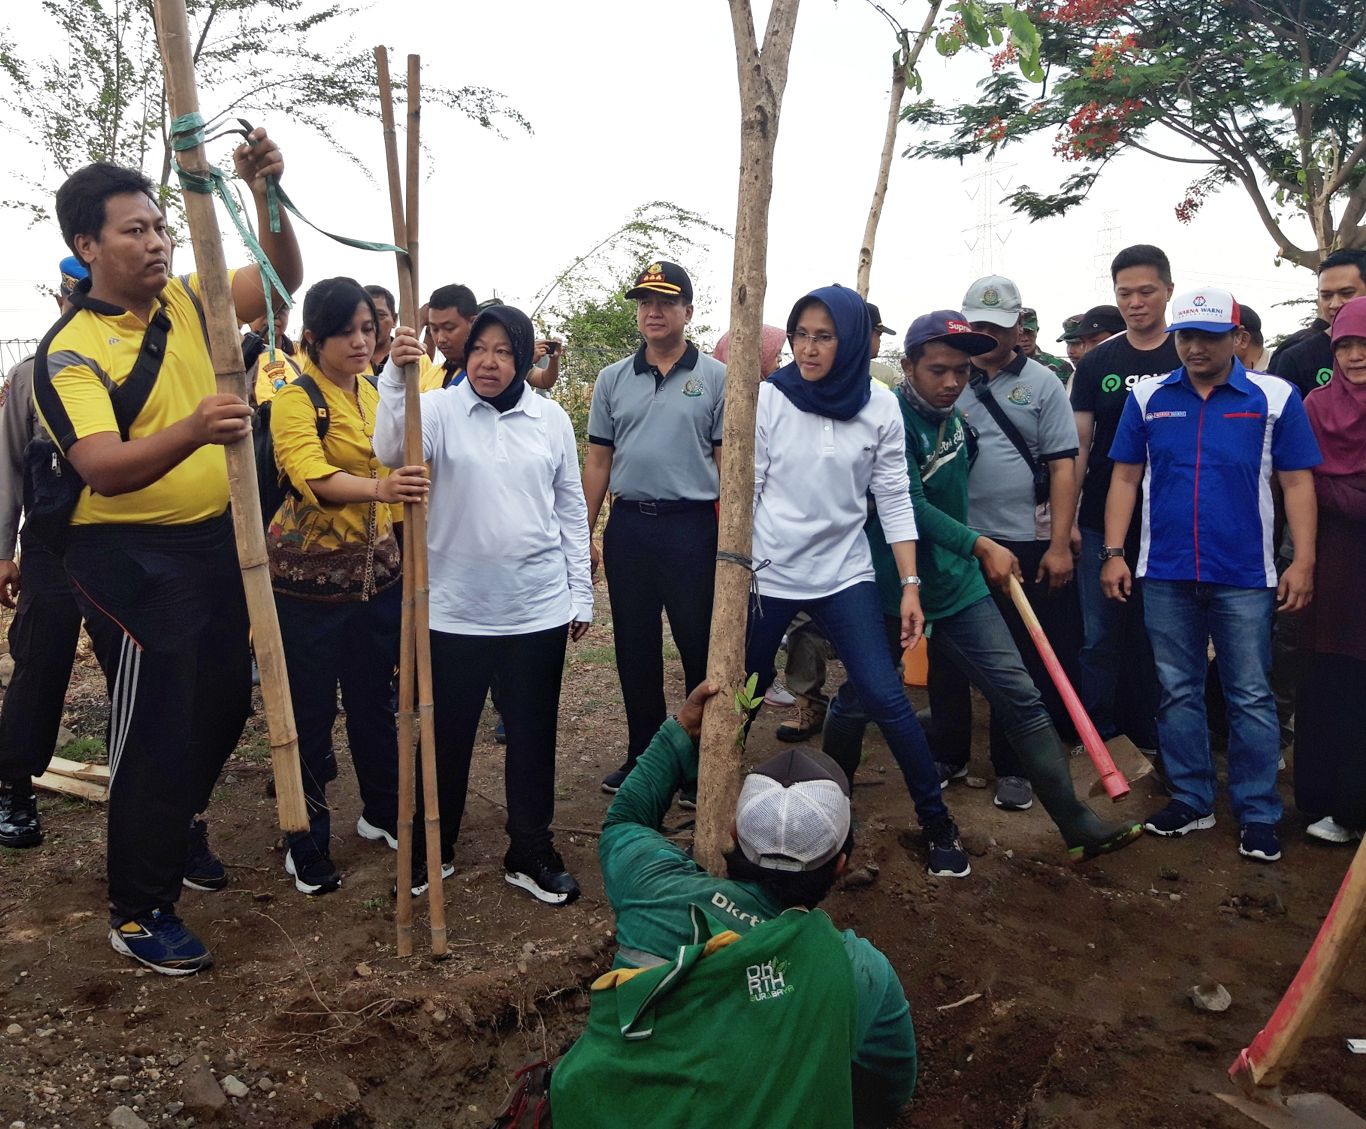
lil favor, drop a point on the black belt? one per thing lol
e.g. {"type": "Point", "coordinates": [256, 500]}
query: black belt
{"type": "Point", "coordinates": [660, 508]}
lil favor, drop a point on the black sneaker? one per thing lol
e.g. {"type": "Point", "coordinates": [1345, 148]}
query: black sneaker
{"type": "Point", "coordinates": [612, 782]}
{"type": "Point", "coordinates": [421, 883]}
{"type": "Point", "coordinates": [316, 877]}
{"type": "Point", "coordinates": [1259, 841]}
{"type": "Point", "coordinates": [543, 876]}
{"type": "Point", "coordinates": [203, 870]}
{"type": "Point", "coordinates": [19, 823]}
{"type": "Point", "coordinates": [161, 942]}
{"type": "Point", "coordinates": [947, 857]}
{"type": "Point", "coordinates": [687, 797]}
{"type": "Point", "coordinates": [948, 773]}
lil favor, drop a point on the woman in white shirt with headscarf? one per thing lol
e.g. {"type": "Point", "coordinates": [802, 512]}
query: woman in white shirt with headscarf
{"type": "Point", "coordinates": [507, 543]}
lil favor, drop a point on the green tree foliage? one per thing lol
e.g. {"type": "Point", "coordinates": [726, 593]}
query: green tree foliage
{"type": "Point", "coordinates": [93, 89]}
{"type": "Point", "coordinates": [1268, 95]}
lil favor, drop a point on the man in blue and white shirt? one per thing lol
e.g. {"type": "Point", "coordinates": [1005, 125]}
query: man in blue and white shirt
{"type": "Point", "coordinates": [1204, 442]}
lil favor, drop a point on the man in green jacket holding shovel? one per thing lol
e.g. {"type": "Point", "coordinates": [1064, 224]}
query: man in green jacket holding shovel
{"type": "Point", "coordinates": [952, 559]}
{"type": "Point", "coordinates": [734, 1001]}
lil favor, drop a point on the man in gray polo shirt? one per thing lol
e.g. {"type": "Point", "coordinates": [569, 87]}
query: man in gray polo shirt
{"type": "Point", "coordinates": [654, 443]}
{"type": "Point", "coordinates": [1025, 502]}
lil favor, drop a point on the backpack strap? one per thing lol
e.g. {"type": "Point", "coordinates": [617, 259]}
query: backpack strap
{"type": "Point", "coordinates": [130, 397]}
{"type": "Point", "coordinates": [321, 415]}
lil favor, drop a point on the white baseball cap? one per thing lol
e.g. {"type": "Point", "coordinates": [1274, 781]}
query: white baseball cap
{"type": "Point", "coordinates": [1211, 310]}
{"type": "Point", "coordinates": [793, 811]}
{"type": "Point", "coordinates": [993, 299]}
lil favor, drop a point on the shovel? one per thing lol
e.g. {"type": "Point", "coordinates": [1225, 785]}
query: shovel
{"type": "Point", "coordinates": [1264, 1062]}
{"type": "Point", "coordinates": [1103, 754]}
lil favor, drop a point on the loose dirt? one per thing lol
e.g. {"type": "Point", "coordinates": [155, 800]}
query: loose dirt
{"type": "Point", "coordinates": [1044, 995]}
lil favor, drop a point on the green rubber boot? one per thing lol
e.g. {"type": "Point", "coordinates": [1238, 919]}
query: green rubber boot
{"type": "Point", "coordinates": [1085, 833]}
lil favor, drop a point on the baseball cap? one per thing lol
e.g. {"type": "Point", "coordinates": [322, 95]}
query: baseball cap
{"type": "Point", "coordinates": [1029, 319]}
{"type": "Point", "coordinates": [876, 316]}
{"type": "Point", "coordinates": [1210, 310]}
{"type": "Point", "coordinates": [664, 278]}
{"type": "Point", "coordinates": [993, 299]}
{"type": "Point", "coordinates": [951, 327]}
{"type": "Point", "coordinates": [72, 271]}
{"type": "Point", "coordinates": [793, 811]}
{"type": "Point", "coordinates": [1098, 319]}
{"type": "Point", "coordinates": [1250, 320]}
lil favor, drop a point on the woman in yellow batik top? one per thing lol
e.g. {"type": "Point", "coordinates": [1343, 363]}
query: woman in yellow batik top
{"type": "Point", "coordinates": [335, 569]}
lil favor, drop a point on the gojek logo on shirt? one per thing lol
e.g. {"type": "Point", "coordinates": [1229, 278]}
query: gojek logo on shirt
{"type": "Point", "coordinates": [767, 981]}
{"type": "Point", "coordinates": [1113, 382]}
{"type": "Point", "coordinates": [1323, 376]}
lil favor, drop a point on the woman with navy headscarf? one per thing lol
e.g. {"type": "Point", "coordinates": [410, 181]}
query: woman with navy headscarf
{"type": "Point", "coordinates": [507, 543]}
{"type": "Point", "coordinates": [826, 438]}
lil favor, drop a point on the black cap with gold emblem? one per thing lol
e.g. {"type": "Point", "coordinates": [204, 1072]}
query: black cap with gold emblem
{"type": "Point", "coordinates": [662, 278]}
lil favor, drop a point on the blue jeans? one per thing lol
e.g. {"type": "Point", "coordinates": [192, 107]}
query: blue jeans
{"type": "Point", "coordinates": [852, 620]}
{"type": "Point", "coordinates": [977, 643]}
{"type": "Point", "coordinates": [1118, 683]}
{"type": "Point", "coordinates": [1182, 618]}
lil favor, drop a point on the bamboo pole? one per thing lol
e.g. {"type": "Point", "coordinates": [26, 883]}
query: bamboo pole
{"type": "Point", "coordinates": [226, 352]}
{"type": "Point", "coordinates": [763, 77]}
{"type": "Point", "coordinates": [415, 675]}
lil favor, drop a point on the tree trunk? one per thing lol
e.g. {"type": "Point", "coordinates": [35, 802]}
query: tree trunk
{"type": "Point", "coordinates": [226, 351]}
{"type": "Point", "coordinates": [763, 77]}
{"type": "Point", "coordinates": [884, 172]}
{"type": "Point", "coordinates": [903, 66]}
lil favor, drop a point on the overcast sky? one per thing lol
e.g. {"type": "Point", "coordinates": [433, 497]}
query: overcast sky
{"type": "Point", "coordinates": [635, 101]}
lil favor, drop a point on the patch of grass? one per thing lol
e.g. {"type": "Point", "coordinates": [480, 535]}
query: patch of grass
{"type": "Point", "coordinates": [375, 905]}
{"type": "Point", "coordinates": [597, 656]}
{"type": "Point", "coordinates": [670, 651]}
{"type": "Point", "coordinates": [87, 750]}
{"type": "Point", "coordinates": [256, 750]}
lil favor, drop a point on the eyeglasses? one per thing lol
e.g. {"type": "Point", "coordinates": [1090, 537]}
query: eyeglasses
{"type": "Point", "coordinates": [820, 340]}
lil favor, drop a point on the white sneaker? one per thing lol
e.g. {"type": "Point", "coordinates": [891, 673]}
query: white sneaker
{"type": "Point", "coordinates": [778, 697]}
{"type": "Point", "coordinates": [1331, 831]}
{"type": "Point", "coordinates": [447, 869]}
{"type": "Point", "coordinates": [367, 830]}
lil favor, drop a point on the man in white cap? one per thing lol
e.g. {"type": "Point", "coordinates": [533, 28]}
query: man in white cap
{"type": "Point", "coordinates": [792, 832]}
{"type": "Point", "coordinates": [1022, 494]}
{"type": "Point", "coordinates": [1204, 442]}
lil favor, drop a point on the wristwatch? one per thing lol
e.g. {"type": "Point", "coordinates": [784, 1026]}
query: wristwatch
{"type": "Point", "coordinates": [908, 580]}
{"type": "Point", "coordinates": [1109, 551]}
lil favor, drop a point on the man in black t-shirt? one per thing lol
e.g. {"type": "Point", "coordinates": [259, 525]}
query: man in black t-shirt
{"type": "Point", "coordinates": [1115, 646]}
{"type": "Point", "coordinates": [1309, 364]}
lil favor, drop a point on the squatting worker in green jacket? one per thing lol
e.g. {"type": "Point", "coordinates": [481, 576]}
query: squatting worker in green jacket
{"type": "Point", "coordinates": [966, 624]}
{"type": "Point", "coordinates": [734, 1001]}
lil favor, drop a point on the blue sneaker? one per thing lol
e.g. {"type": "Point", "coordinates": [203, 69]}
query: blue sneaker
{"type": "Point", "coordinates": [161, 942]}
{"type": "Point", "coordinates": [1176, 819]}
{"type": "Point", "coordinates": [947, 857]}
{"type": "Point", "coordinates": [500, 733]}
{"type": "Point", "coordinates": [1259, 841]}
{"type": "Point", "coordinates": [203, 870]}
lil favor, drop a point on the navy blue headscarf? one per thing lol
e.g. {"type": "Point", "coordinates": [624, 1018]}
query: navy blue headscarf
{"type": "Point", "coordinates": [845, 389]}
{"type": "Point", "coordinates": [522, 337]}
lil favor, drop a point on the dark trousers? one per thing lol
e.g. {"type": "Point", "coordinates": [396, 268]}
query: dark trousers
{"type": "Point", "coordinates": [658, 563]}
{"type": "Point", "coordinates": [1330, 740]}
{"type": "Point", "coordinates": [529, 669]}
{"type": "Point", "coordinates": [351, 644]}
{"type": "Point", "coordinates": [42, 642]}
{"type": "Point", "coordinates": [852, 620]}
{"type": "Point", "coordinates": [165, 610]}
{"type": "Point", "coordinates": [950, 688]}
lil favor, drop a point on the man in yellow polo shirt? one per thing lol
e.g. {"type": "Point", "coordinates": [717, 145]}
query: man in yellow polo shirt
{"type": "Point", "coordinates": [150, 550]}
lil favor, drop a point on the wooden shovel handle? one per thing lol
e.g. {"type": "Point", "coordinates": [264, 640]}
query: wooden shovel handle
{"type": "Point", "coordinates": [1116, 787]}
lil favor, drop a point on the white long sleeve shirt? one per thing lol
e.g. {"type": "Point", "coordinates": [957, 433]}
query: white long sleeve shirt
{"type": "Point", "coordinates": [812, 476]}
{"type": "Point", "coordinates": [507, 525]}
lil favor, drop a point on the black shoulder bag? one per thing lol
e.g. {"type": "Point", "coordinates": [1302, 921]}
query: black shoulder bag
{"type": "Point", "coordinates": [51, 485]}
{"type": "Point", "coordinates": [1037, 469]}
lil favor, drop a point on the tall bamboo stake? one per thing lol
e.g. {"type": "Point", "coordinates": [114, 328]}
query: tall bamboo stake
{"type": "Point", "coordinates": [763, 77]}
{"type": "Point", "coordinates": [415, 639]}
{"type": "Point", "coordinates": [226, 352]}
{"type": "Point", "coordinates": [407, 670]}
